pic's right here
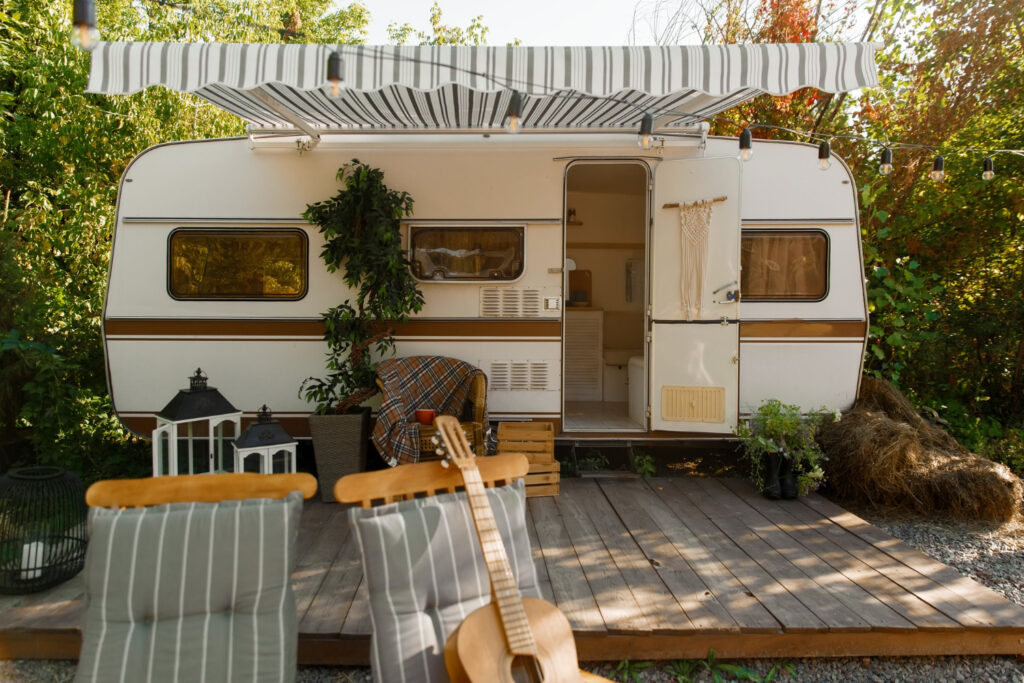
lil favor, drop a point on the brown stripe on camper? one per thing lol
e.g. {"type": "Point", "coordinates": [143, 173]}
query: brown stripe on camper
{"type": "Point", "coordinates": [315, 328]}
{"type": "Point", "coordinates": [820, 330]}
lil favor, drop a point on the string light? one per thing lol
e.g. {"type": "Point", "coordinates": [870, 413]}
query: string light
{"type": "Point", "coordinates": [938, 169]}
{"type": "Point", "coordinates": [84, 33]}
{"type": "Point", "coordinates": [885, 167]}
{"type": "Point", "coordinates": [824, 155]}
{"type": "Point", "coordinates": [646, 137]}
{"type": "Point", "coordinates": [745, 140]}
{"type": "Point", "coordinates": [335, 67]}
{"type": "Point", "coordinates": [513, 122]}
{"type": "Point", "coordinates": [988, 169]}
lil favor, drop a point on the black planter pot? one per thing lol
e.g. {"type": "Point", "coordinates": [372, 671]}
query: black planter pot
{"type": "Point", "coordinates": [787, 478]}
{"type": "Point", "coordinates": [339, 447]}
{"type": "Point", "coordinates": [772, 464]}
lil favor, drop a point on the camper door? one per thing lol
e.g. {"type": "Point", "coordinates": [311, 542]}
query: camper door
{"type": "Point", "coordinates": [695, 310]}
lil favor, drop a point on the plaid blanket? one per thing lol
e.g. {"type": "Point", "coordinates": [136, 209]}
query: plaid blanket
{"type": "Point", "coordinates": [418, 382]}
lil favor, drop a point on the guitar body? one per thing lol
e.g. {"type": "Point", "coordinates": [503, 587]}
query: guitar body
{"type": "Point", "coordinates": [476, 651]}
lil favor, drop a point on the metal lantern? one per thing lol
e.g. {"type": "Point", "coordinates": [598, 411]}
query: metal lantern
{"type": "Point", "coordinates": [202, 405]}
{"type": "Point", "coordinates": [266, 438]}
{"type": "Point", "coordinates": [42, 528]}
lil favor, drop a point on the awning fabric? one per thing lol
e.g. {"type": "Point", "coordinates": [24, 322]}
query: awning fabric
{"type": "Point", "coordinates": [469, 87]}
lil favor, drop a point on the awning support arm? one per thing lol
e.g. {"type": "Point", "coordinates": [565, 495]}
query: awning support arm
{"type": "Point", "coordinates": [290, 117]}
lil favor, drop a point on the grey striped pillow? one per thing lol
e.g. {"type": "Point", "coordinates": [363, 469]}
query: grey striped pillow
{"type": "Point", "coordinates": [191, 592]}
{"type": "Point", "coordinates": [425, 573]}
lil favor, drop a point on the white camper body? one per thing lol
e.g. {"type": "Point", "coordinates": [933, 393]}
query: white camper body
{"type": "Point", "coordinates": [616, 358]}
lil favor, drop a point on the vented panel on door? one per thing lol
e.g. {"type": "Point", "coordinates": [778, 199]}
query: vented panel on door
{"type": "Point", "coordinates": [509, 302]}
{"type": "Point", "coordinates": [693, 404]}
{"type": "Point", "coordinates": [518, 375]}
{"type": "Point", "coordinates": [584, 364]}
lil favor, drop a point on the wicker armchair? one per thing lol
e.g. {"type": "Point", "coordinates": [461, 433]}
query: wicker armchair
{"type": "Point", "coordinates": [474, 428]}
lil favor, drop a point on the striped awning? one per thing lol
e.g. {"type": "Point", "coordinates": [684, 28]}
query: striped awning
{"type": "Point", "coordinates": [469, 87]}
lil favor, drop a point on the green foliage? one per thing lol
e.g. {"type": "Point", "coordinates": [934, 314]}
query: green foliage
{"type": "Point", "coordinates": [643, 463]}
{"type": "Point", "coordinates": [629, 672]}
{"type": "Point", "coordinates": [777, 427]}
{"type": "Point", "coordinates": [687, 670]}
{"type": "Point", "coordinates": [440, 33]}
{"type": "Point", "coordinates": [360, 226]}
{"type": "Point", "coordinates": [593, 459]}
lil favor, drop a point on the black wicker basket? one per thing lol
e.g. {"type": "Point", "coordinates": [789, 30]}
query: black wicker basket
{"type": "Point", "coordinates": [42, 528]}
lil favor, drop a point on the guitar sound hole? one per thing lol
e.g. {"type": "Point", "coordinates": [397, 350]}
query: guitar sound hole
{"type": "Point", "coordinates": [526, 669]}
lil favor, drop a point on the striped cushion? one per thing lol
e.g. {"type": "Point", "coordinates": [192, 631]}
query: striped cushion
{"type": "Point", "coordinates": [425, 573]}
{"type": "Point", "coordinates": [191, 592]}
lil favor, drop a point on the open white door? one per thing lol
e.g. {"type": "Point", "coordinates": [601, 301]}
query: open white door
{"type": "Point", "coordinates": [694, 350]}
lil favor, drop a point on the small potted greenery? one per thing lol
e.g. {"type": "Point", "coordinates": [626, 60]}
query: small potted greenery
{"type": "Point", "coordinates": [361, 230]}
{"type": "Point", "coordinates": [785, 459]}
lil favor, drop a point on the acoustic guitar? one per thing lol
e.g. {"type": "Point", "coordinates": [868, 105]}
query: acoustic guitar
{"type": "Point", "coordinates": [513, 638]}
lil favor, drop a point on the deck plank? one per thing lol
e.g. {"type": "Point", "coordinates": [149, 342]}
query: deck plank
{"type": "Point", "coordinates": [630, 500]}
{"type": "Point", "coordinates": [656, 601]}
{"type": "Point", "coordinates": [357, 621]}
{"type": "Point", "coordinates": [764, 545]}
{"type": "Point", "coordinates": [618, 607]}
{"type": "Point", "coordinates": [875, 612]}
{"type": "Point", "coordinates": [333, 599]}
{"type": "Point", "coordinates": [313, 564]}
{"type": "Point", "coordinates": [789, 611]}
{"type": "Point", "coordinates": [743, 607]}
{"type": "Point", "coordinates": [988, 607]}
{"type": "Point", "coordinates": [569, 587]}
{"type": "Point", "coordinates": [540, 570]}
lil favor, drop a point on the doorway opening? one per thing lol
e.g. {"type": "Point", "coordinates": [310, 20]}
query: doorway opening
{"type": "Point", "coordinates": [604, 385]}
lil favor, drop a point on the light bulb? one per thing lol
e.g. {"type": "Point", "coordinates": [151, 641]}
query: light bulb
{"type": "Point", "coordinates": [335, 67]}
{"type": "Point", "coordinates": [938, 169]}
{"type": "Point", "coordinates": [512, 125]}
{"type": "Point", "coordinates": [885, 168]}
{"type": "Point", "coordinates": [988, 169]}
{"type": "Point", "coordinates": [84, 36]}
{"type": "Point", "coordinates": [746, 151]}
{"type": "Point", "coordinates": [645, 140]}
{"type": "Point", "coordinates": [514, 114]}
{"type": "Point", "coordinates": [824, 155]}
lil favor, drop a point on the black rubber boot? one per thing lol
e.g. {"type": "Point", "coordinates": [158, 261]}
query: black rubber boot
{"type": "Point", "coordinates": [772, 463]}
{"type": "Point", "coordinates": [787, 478]}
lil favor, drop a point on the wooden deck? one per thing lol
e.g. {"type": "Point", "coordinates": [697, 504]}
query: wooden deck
{"type": "Point", "coordinates": [657, 569]}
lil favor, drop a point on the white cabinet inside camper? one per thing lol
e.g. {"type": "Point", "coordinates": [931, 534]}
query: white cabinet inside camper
{"type": "Point", "coordinates": [694, 326]}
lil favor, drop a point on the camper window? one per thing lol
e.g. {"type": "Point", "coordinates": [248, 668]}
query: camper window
{"type": "Point", "coordinates": [466, 253]}
{"type": "Point", "coordinates": [784, 265]}
{"type": "Point", "coordinates": [237, 264]}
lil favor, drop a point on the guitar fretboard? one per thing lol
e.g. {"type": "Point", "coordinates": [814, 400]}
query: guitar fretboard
{"type": "Point", "coordinates": [504, 590]}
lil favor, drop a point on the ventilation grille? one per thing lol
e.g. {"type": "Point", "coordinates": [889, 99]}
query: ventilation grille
{"type": "Point", "coordinates": [693, 404]}
{"type": "Point", "coordinates": [509, 302]}
{"type": "Point", "coordinates": [519, 375]}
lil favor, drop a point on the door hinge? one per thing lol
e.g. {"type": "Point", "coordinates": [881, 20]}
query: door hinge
{"type": "Point", "coordinates": [725, 320]}
{"type": "Point", "coordinates": [735, 360]}
{"type": "Point", "coordinates": [647, 413]}
{"type": "Point", "coordinates": [647, 338]}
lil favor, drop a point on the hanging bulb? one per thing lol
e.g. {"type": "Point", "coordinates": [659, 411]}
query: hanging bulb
{"type": "Point", "coordinates": [938, 169]}
{"type": "Point", "coordinates": [334, 72]}
{"type": "Point", "coordinates": [84, 33]}
{"type": "Point", "coordinates": [745, 140]}
{"type": "Point", "coordinates": [988, 169]}
{"type": "Point", "coordinates": [885, 168]}
{"type": "Point", "coordinates": [824, 155]}
{"type": "Point", "coordinates": [646, 138]}
{"type": "Point", "coordinates": [514, 115]}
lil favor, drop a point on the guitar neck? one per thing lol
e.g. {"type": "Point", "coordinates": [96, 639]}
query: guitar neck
{"type": "Point", "coordinates": [504, 590]}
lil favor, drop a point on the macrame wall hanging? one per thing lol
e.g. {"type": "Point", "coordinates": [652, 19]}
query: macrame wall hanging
{"type": "Point", "coordinates": [695, 222]}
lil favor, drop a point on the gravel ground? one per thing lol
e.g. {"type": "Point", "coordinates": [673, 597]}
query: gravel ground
{"type": "Point", "coordinates": [990, 555]}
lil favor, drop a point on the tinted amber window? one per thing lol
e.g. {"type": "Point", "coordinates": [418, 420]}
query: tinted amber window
{"type": "Point", "coordinates": [467, 253]}
{"type": "Point", "coordinates": [238, 264]}
{"type": "Point", "coordinates": [784, 265]}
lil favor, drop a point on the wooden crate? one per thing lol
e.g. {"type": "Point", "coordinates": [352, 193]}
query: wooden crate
{"type": "Point", "coordinates": [535, 440]}
{"type": "Point", "coordinates": [543, 479]}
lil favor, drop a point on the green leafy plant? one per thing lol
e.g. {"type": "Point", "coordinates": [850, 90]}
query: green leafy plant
{"type": "Point", "coordinates": [360, 226]}
{"type": "Point", "coordinates": [593, 460]}
{"type": "Point", "coordinates": [643, 464]}
{"type": "Point", "coordinates": [776, 427]}
{"type": "Point", "coordinates": [686, 670]}
{"type": "Point", "coordinates": [627, 671]}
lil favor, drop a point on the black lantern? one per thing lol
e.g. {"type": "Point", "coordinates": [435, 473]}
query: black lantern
{"type": "Point", "coordinates": [42, 528]}
{"type": "Point", "coordinates": [266, 438]}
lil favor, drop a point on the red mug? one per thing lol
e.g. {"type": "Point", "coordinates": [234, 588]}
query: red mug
{"type": "Point", "coordinates": [425, 416]}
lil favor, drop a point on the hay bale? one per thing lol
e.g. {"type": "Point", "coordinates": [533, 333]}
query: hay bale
{"type": "Point", "coordinates": [883, 453]}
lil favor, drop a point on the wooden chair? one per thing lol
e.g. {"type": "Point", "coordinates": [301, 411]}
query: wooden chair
{"type": "Point", "coordinates": [428, 479]}
{"type": "Point", "coordinates": [197, 588]}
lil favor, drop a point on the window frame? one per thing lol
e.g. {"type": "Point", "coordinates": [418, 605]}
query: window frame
{"type": "Point", "coordinates": [789, 300]}
{"type": "Point", "coordinates": [456, 225]}
{"type": "Point", "coordinates": [304, 237]}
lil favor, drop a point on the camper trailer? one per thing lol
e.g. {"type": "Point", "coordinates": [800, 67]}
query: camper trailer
{"type": "Point", "coordinates": [616, 291]}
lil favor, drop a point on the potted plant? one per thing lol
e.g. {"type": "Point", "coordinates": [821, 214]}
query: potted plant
{"type": "Point", "coordinates": [360, 226]}
{"type": "Point", "coordinates": [785, 459]}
